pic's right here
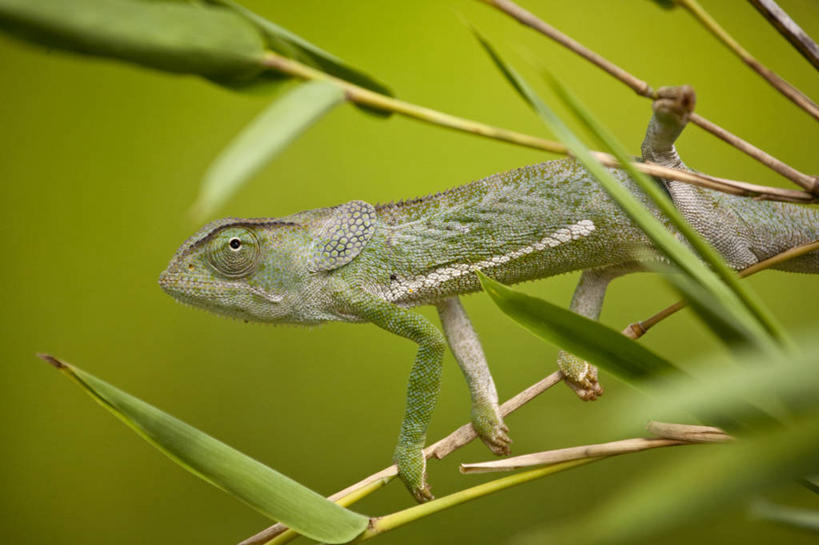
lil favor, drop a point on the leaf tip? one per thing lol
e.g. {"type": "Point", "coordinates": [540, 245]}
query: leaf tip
{"type": "Point", "coordinates": [51, 360]}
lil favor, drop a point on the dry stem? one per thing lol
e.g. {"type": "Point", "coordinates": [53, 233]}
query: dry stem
{"type": "Point", "coordinates": [789, 29]}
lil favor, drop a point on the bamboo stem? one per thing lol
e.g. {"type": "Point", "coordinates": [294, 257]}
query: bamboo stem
{"type": "Point", "coordinates": [372, 99]}
{"type": "Point", "coordinates": [279, 533]}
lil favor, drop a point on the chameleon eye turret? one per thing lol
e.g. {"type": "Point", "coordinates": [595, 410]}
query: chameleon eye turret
{"type": "Point", "coordinates": [234, 252]}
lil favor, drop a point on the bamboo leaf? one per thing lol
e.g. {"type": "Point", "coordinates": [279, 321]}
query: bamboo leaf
{"type": "Point", "coordinates": [173, 37]}
{"type": "Point", "coordinates": [266, 490]}
{"type": "Point", "coordinates": [262, 139]}
{"type": "Point", "coordinates": [291, 45]}
{"type": "Point", "coordinates": [579, 335]}
{"type": "Point", "coordinates": [651, 226]}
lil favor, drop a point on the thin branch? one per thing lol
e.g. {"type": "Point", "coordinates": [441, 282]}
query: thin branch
{"type": "Point", "coordinates": [638, 329]}
{"type": "Point", "coordinates": [359, 95]}
{"type": "Point", "coordinates": [789, 29]}
{"type": "Point", "coordinates": [795, 95]}
{"type": "Point", "coordinates": [440, 449]}
{"type": "Point", "coordinates": [810, 183]}
{"type": "Point", "coordinates": [526, 18]}
{"type": "Point", "coordinates": [669, 435]}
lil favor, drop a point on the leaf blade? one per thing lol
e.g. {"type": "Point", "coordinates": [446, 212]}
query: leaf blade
{"type": "Point", "coordinates": [579, 335]}
{"type": "Point", "coordinates": [266, 490]}
{"type": "Point", "coordinates": [262, 140]}
{"type": "Point", "coordinates": [173, 37]}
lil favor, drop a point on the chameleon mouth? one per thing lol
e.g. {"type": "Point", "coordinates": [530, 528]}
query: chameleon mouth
{"type": "Point", "coordinates": [192, 291]}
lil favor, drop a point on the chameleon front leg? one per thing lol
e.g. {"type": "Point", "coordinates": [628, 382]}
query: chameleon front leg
{"type": "Point", "coordinates": [580, 375]}
{"type": "Point", "coordinates": [424, 381]}
{"type": "Point", "coordinates": [465, 346]}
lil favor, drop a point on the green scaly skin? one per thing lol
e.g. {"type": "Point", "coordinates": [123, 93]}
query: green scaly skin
{"type": "Point", "coordinates": [362, 263]}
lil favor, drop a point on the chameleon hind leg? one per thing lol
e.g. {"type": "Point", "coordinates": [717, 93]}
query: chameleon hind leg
{"type": "Point", "coordinates": [580, 375]}
{"type": "Point", "coordinates": [465, 346]}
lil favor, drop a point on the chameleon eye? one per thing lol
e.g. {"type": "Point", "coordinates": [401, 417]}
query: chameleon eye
{"type": "Point", "coordinates": [234, 252]}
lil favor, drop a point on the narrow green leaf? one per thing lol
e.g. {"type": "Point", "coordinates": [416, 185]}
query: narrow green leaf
{"type": "Point", "coordinates": [174, 37]}
{"type": "Point", "coordinates": [266, 490]}
{"type": "Point", "coordinates": [651, 226]}
{"type": "Point", "coordinates": [807, 519]}
{"type": "Point", "coordinates": [262, 139]}
{"type": "Point", "coordinates": [707, 252]}
{"type": "Point", "coordinates": [291, 45]}
{"type": "Point", "coordinates": [579, 335]}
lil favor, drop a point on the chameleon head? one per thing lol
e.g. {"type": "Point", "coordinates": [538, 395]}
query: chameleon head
{"type": "Point", "coordinates": [245, 268]}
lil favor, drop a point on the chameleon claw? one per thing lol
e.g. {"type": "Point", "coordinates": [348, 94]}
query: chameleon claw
{"type": "Point", "coordinates": [423, 494]}
{"type": "Point", "coordinates": [587, 388]}
{"type": "Point", "coordinates": [489, 426]}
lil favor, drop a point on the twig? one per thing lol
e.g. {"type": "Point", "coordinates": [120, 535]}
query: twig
{"type": "Point", "coordinates": [638, 329]}
{"type": "Point", "coordinates": [455, 440]}
{"type": "Point", "coordinates": [526, 18]}
{"type": "Point", "coordinates": [669, 435]}
{"type": "Point", "coordinates": [789, 29]}
{"type": "Point", "coordinates": [810, 183]}
{"type": "Point", "coordinates": [795, 95]}
{"type": "Point", "coordinates": [378, 101]}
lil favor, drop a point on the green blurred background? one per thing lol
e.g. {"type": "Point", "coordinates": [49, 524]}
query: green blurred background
{"type": "Point", "coordinates": [100, 162]}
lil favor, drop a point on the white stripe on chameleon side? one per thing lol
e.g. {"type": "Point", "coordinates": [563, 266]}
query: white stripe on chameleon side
{"type": "Point", "coordinates": [437, 277]}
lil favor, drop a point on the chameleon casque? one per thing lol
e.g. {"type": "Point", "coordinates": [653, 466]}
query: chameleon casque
{"type": "Point", "coordinates": [362, 263]}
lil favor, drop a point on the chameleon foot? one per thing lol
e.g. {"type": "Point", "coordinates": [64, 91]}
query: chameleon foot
{"type": "Point", "coordinates": [580, 376]}
{"type": "Point", "coordinates": [488, 423]}
{"type": "Point", "coordinates": [412, 469]}
{"type": "Point", "coordinates": [675, 104]}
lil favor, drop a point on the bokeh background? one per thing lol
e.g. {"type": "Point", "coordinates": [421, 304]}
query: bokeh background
{"type": "Point", "coordinates": [100, 162]}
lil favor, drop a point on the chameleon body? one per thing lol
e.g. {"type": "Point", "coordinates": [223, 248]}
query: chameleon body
{"type": "Point", "coordinates": [362, 263]}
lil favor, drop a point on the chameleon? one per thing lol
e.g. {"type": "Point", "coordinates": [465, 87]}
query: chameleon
{"type": "Point", "coordinates": [357, 262]}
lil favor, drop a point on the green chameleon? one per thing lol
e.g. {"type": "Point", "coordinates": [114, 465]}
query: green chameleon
{"type": "Point", "coordinates": [362, 263]}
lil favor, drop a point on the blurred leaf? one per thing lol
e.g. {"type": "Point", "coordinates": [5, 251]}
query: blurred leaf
{"type": "Point", "coordinates": [291, 45]}
{"type": "Point", "coordinates": [266, 490]}
{"type": "Point", "coordinates": [640, 215]}
{"type": "Point", "coordinates": [782, 387]}
{"type": "Point", "coordinates": [698, 484]}
{"type": "Point", "coordinates": [262, 139]}
{"type": "Point", "coordinates": [807, 519]}
{"type": "Point", "coordinates": [702, 247]}
{"type": "Point", "coordinates": [579, 335]}
{"type": "Point", "coordinates": [174, 37]}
